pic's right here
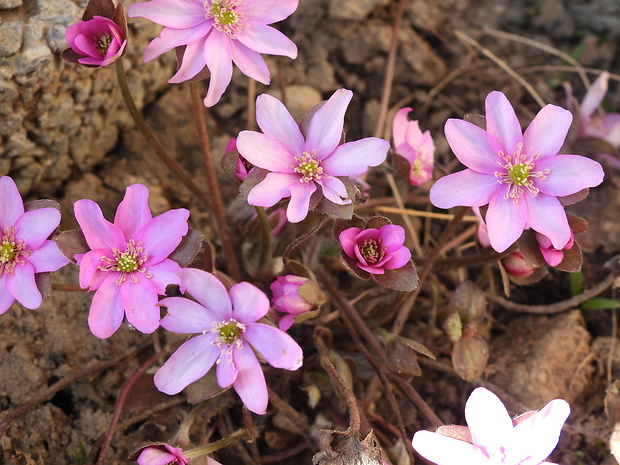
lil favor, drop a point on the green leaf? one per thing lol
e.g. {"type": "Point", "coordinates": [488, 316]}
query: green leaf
{"type": "Point", "coordinates": [576, 283]}
{"type": "Point", "coordinates": [600, 303]}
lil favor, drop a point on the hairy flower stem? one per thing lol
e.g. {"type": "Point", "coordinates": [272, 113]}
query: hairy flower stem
{"type": "Point", "coordinates": [152, 139]}
{"type": "Point", "coordinates": [301, 239]}
{"type": "Point", "coordinates": [214, 189]}
{"type": "Point", "coordinates": [265, 238]}
{"type": "Point", "coordinates": [217, 445]}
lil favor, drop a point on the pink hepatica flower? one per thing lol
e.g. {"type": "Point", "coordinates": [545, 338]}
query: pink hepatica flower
{"type": "Point", "coordinates": [218, 33]}
{"type": "Point", "coordinates": [493, 437]}
{"type": "Point", "coordinates": [519, 175]}
{"type": "Point", "coordinates": [99, 41]}
{"type": "Point", "coordinates": [24, 248]}
{"type": "Point", "coordinates": [413, 145]}
{"type": "Point", "coordinates": [162, 455]}
{"type": "Point", "coordinates": [299, 162]}
{"type": "Point", "coordinates": [228, 334]}
{"type": "Point", "coordinates": [552, 255]}
{"type": "Point", "coordinates": [286, 299]}
{"type": "Point", "coordinates": [128, 264]}
{"type": "Point", "coordinates": [607, 126]}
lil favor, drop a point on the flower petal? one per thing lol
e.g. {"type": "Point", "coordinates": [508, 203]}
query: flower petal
{"type": "Point", "coordinates": [89, 265]}
{"type": "Point", "coordinates": [444, 450]}
{"type": "Point", "coordinates": [392, 236]}
{"type": "Point", "coordinates": [398, 259]}
{"type": "Point", "coordinates": [594, 95]}
{"type": "Point", "coordinates": [140, 302]}
{"type": "Point", "coordinates": [250, 63]}
{"type": "Point", "coordinates": [354, 158]}
{"type": "Point", "coordinates": [6, 298]}
{"type": "Point", "coordinates": [193, 61]}
{"type": "Point", "coordinates": [186, 316]}
{"type": "Point", "coordinates": [177, 15]}
{"type": "Point", "coordinates": [502, 122]}
{"type": "Point", "coordinates": [106, 310]}
{"type": "Point", "coordinates": [488, 421]}
{"type": "Point", "coordinates": [569, 174]}
{"type": "Point", "coordinates": [35, 226]}
{"type": "Point", "coordinates": [217, 55]}
{"type": "Point", "coordinates": [299, 204]}
{"type": "Point", "coordinates": [272, 189]}
{"type": "Point", "coordinates": [99, 232]}
{"type": "Point", "coordinates": [474, 147]}
{"type": "Point", "coordinates": [47, 258]}
{"type": "Point", "coordinates": [208, 291]}
{"type": "Point", "coordinates": [250, 383]}
{"type": "Point", "coordinates": [161, 235]}
{"type": "Point", "coordinates": [325, 128]}
{"type": "Point", "coordinates": [334, 190]}
{"type": "Point", "coordinates": [226, 370]}
{"type": "Point", "coordinates": [505, 221]}
{"type": "Point", "coordinates": [171, 38]}
{"type": "Point", "coordinates": [22, 286]}
{"type": "Point", "coordinates": [276, 122]}
{"type": "Point", "coordinates": [11, 201]}
{"type": "Point", "coordinates": [546, 215]}
{"type": "Point", "coordinates": [348, 241]}
{"type": "Point", "coordinates": [163, 274]}
{"type": "Point", "coordinates": [278, 348]}
{"type": "Point", "coordinates": [265, 39]}
{"type": "Point", "coordinates": [270, 11]}
{"type": "Point", "coordinates": [546, 133]}
{"type": "Point", "coordinates": [249, 303]}
{"type": "Point", "coordinates": [466, 187]}
{"type": "Point", "coordinates": [267, 152]}
{"type": "Point", "coordinates": [133, 212]}
{"type": "Point", "coordinates": [400, 124]}
{"type": "Point", "coordinates": [189, 363]}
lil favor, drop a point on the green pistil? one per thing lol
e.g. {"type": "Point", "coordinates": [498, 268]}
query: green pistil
{"type": "Point", "coordinates": [520, 173]}
{"type": "Point", "coordinates": [308, 168]}
{"type": "Point", "coordinates": [225, 17]}
{"type": "Point", "coordinates": [103, 43]}
{"type": "Point", "coordinates": [127, 262]}
{"type": "Point", "coordinates": [371, 251]}
{"type": "Point", "coordinates": [229, 332]}
{"type": "Point", "coordinates": [7, 252]}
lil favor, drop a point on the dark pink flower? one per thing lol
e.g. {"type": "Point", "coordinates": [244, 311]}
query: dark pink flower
{"type": "Point", "coordinates": [99, 41]}
{"type": "Point", "coordinates": [515, 265]}
{"type": "Point", "coordinates": [24, 248]}
{"type": "Point", "coordinates": [552, 255]}
{"type": "Point", "coordinates": [162, 455]}
{"type": "Point", "coordinates": [413, 145]}
{"type": "Point", "coordinates": [376, 250]}
{"type": "Point", "coordinates": [127, 265]}
{"type": "Point", "coordinates": [286, 299]}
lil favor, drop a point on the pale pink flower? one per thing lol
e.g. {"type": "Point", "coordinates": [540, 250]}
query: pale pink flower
{"type": "Point", "coordinates": [228, 333]}
{"type": "Point", "coordinates": [552, 255]}
{"type": "Point", "coordinates": [299, 162]}
{"type": "Point", "coordinates": [162, 455]}
{"type": "Point", "coordinates": [413, 145]}
{"type": "Point", "coordinates": [128, 264]}
{"type": "Point", "coordinates": [286, 299]}
{"type": "Point", "coordinates": [606, 126]}
{"type": "Point", "coordinates": [518, 174]}
{"type": "Point", "coordinates": [217, 33]}
{"type": "Point", "coordinates": [24, 248]}
{"type": "Point", "coordinates": [376, 250]}
{"type": "Point", "coordinates": [494, 437]}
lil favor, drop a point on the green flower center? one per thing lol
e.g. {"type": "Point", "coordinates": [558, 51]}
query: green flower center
{"type": "Point", "coordinates": [129, 261]}
{"type": "Point", "coordinates": [228, 333]}
{"type": "Point", "coordinates": [308, 167]}
{"type": "Point", "coordinates": [225, 14]}
{"type": "Point", "coordinates": [7, 252]}
{"type": "Point", "coordinates": [11, 251]}
{"type": "Point", "coordinates": [518, 174]}
{"type": "Point", "coordinates": [103, 43]}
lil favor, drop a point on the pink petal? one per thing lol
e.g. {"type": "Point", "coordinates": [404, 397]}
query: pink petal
{"type": "Point", "coordinates": [552, 256]}
{"type": "Point", "coordinates": [354, 158]}
{"type": "Point", "coordinates": [398, 259]}
{"type": "Point", "coordinates": [193, 61]}
{"type": "Point", "coordinates": [171, 38]}
{"type": "Point", "coordinates": [399, 126]}
{"type": "Point", "coordinates": [474, 147]}
{"type": "Point", "coordinates": [594, 96]}
{"type": "Point", "coordinates": [6, 298]}
{"type": "Point", "coordinates": [546, 215]}
{"type": "Point", "coordinates": [505, 221]}
{"type": "Point", "coordinates": [250, 63]}
{"type": "Point", "coordinates": [502, 122]}
{"type": "Point", "coordinates": [372, 269]}
{"type": "Point", "coordinates": [569, 174]}
{"type": "Point", "coordinates": [299, 204]}
{"type": "Point", "coordinates": [161, 235]}
{"type": "Point", "coordinates": [272, 189]}
{"type": "Point", "coordinates": [249, 303]}
{"type": "Point", "coordinates": [466, 187]}
{"type": "Point", "coordinates": [226, 370]}
{"type": "Point", "coordinates": [266, 152]}
{"type": "Point", "coordinates": [334, 190]}
{"type": "Point", "coordinates": [348, 241]}
{"type": "Point", "coordinates": [163, 274]}
{"type": "Point", "coordinates": [22, 286]}
{"type": "Point", "coordinates": [189, 363]}
{"type": "Point", "coordinates": [186, 316]}
{"type": "Point", "coordinates": [177, 15]}
{"type": "Point", "coordinates": [155, 456]}
{"type": "Point", "coordinates": [488, 421]}
{"type": "Point", "coordinates": [47, 258]}
{"type": "Point", "coordinates": [89, 265]}
{"type": "Point", "coordinates": [276, 122]}
{"type": "Point", "coordinates": [99, 232]}
{"type": "Point", "coordinates": [71, 33]}
{"type": "Point", "coordinates": [11, 201]}
{"type": "Point", "coordinates": [106, 311]}
{"type": "Point", "coordinates": [35, 226]}
{"type": "Point", "coordinates": [250, 383]}
{"type": "Point", "coordinates": [139, 299]}
{"type": "Point", "coordinates": [392, 236]}
{"type": "Point", "coordinates": [270, 11]}
{"type": "Point", "coordinates": [546, 133]}
{"type": "Point", "coordinates": [285, 322]}
{"type": "Point", "coordinates": [538, 435]}
{"type": "Point", "coordinates": [278, 348]}
{"type": "Point", "coordinates": [325, 128]}
{"type": "Point", "coordinates": [207, 290]}
{"type": "Point", "coordinates": [86, 45]}
{"type": "Point", "coordinates": [265, 39]}
{"type": "Point", "coordinates": [218, 56]}
{"type": "Point", "coordinates": [444, 450]}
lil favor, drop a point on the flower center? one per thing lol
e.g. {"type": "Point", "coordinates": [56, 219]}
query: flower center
{"type": "Point", "coordinates": [226, 15]}
{"type": "Point", "coordinates": [129, 261]}
{"type": "Point", "coordinates": [103, 42]}
{"type": "Point", "coordinates": [519, 173]}
{"type": "Point", "coordinates": [372, 251]}
{"type": "Point", "coordinates": [228, 336]}
{"type": "Point", "coordinates": [11, 252]}
{"type": "Point", "coordinates": [308, 167]}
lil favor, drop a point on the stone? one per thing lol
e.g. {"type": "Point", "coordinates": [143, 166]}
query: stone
{"type": "Point", "coordinates": [10, 37]}
{"type": "Point", "coordinates": [8, 4]}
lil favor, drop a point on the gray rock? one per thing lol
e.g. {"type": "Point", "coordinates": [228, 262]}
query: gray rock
{"type": "Point", "coordinates": [57, 11]}
{"type": "Point", "coordinates": [10, 37]}
{"type": "Point", "coordinates": [8, 4]}
{"type": "Point", "coordinates": [33, 59]}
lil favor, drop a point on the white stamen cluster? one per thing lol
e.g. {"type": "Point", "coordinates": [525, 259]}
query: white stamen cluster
{"type": "Point", "coordinates": [519, 173]}
{"type": "Point", "coordinates": [127, 262]}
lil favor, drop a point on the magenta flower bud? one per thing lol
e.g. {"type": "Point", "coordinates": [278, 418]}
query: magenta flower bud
{"type": "Point", "coordinates": [97, 42]}
{"type": "Point", "coordinates": [552, 255]}
{"type": "Point", "coordinates": [286, 299]}
{"type": "Point", "coordinates": [162, 455]}
{"type": "Point", "coordinates": [415, 146]}
{"type": "Point", "coordinates": [376, 250]}
{"type": "Point", "coordinates": [514, 264]}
